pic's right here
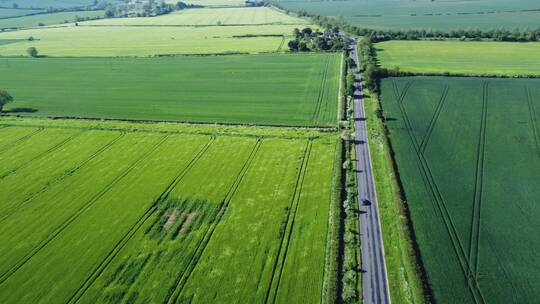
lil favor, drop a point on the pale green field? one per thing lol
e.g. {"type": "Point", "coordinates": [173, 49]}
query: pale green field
{"type": "Point", "coordinates": [145, 41]}
{"type": "Point", "coordinates": [497, 58]}
{"type": "Point", "coordinates": [47, 19]}
{"type": "Point", "coordinates": [209, 16]}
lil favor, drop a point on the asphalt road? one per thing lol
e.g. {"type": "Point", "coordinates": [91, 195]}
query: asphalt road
{"type": "Point", "coordinates": [374, 276]}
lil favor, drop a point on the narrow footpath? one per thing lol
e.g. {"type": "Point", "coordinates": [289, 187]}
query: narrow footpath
{"type": "Point", "coordinates": [374, 276]}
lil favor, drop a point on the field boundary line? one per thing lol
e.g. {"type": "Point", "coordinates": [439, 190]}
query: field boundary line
{"type": "Point", "coordinates": [24, 138]}
{"type": "Point", "coordinates": [138, 224]}
{"type": "Point", "coordinates": [81, 210]}
{"type": "Point", "coordinates": [181, 281]}
{"type": "Point", "coordinates": [59, 178]}
{"type": "Point", "coordinates": [478, 185]}
{"type": "Point", "coordinates": [281, 255]}
{"type": "Point", "coordinates": [434, 119]}
{"type": "Point", "coordinates": [432, 188]}
{"type": "Point", "coordinates": [169, 122]}
{"type": "Point", "coordinates": [42, 154]}
{"type": "Point", "coordinates": [534, 120]}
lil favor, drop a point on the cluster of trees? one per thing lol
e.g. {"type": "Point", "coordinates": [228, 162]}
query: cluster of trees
{"type": "Point", "coordinates": [144, 8]}
{"type": "Point", "coordinates": [5, 98]}
{"type": "Point", "coordinates": [466, 34]}
{"type": "Point", "coordinates": [307, 40]}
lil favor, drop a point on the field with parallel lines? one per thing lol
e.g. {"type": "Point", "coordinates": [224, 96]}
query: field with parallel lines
{"type": "Point", "coordinates": [109, 212]}
{"type": "Point", "coordinates": [468, 154]}
{"type": "Point", "coordinates": [266, 89]}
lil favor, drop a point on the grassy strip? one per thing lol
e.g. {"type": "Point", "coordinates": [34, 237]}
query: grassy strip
{"type": "Point", "coordinates": [172, 128]}
{"type": "Point", "coordinates": [334, 250]}
{"type": "Point", "coordinates": [404, 272]}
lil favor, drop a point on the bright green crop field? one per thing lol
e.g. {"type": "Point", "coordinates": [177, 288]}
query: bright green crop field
{"type": "Point", "coordinates": [107, 41]}
{"type": "Point", "coordinates": [162, 214]}
{"type": "Point", "coordinates": [209, 16]}
{"type": "Point", "coordinates": [47, 19]}
{"type": "Point", "coordinates": [426, 14]}
{"type": "Point", "coordinates": [284, 89]}
{"type": "Point", "coordinates": [468, 154]}
{"type": "Point", "coordinates": [461, 57]}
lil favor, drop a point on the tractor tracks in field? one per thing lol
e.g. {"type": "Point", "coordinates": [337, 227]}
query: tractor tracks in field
{"type": "Point", "coordinates": [96, 273]}
{"type": "Point", "coordinates": [534, 120]}
{"type": "Point", "coordinates": [438, 200]}
{"type": "Point", "coordinates": [40, 155]}
{"type": "Point", "coordinates": [67, 173]}
{"type": "Point", "coordinates": [434, 119]}
{"type": "Point", "coordinates": [20, 140]}
{"type": "Point", "coordinates": [182, 279]}
{"type": "Point", "coordinates": [81, 210]}
{"type": "Point", "coordinates": [281, 256]}
{"type": "Point", "coordinates": [478, 185]}
{"type": "Point", "coordinates": [321, 94]}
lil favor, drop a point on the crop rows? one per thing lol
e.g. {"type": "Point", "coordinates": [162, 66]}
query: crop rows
{"type": "Point", "coordinates": [93, 227]}
{"type": "Point", "coordinates": [176, 88]}
{"type": "Point", "coordinates": [458, 182]}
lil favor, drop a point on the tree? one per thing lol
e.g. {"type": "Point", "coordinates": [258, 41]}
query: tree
{"type": "Point", "coordinates": [5, 98]}
{"type": "Point", "coordinates": [293, 45]}
{"type": "Point", "coordinates": [32, 52]}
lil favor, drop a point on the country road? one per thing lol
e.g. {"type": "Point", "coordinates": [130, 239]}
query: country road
{"type": "Point", "coordinates": [374, 276]}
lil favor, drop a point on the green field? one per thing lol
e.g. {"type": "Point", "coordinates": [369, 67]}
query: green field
{"type": "Point", "coordinates": [168, 221]}
{"type": "Point", "coordinates": [192, 31]}
{"type": "Point", "coordinates": [213, 3]}
{"type": "Point", "coordinates": [210, 16]}
{"type": "Point", "coordinates": [47, 19]}
{"type": "Point", "coordinates": [285, 89]}
{"type": "Point", "coordinates": [45, 4]}
{"type": "Point", "coordinates": [426, 14]}
{"type": "Point", "coordinates": [460, 57]}
{"type": "Point", "coordinates": [7, 13]}
{"type": "Point", "coordinates": [468, 154]}
{"type": "Point", "coordinates": [103, 41]}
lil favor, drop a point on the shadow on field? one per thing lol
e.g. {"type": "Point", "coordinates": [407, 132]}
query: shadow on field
{"type": "Point", "coordinates": [21, 110]}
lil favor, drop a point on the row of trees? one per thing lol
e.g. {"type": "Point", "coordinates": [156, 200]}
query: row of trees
{"type": "Point", "coordinates": [307, 40]}
{"type": "Point", "coordinates": [368, 64]}
{"type": "Point", "coordinates": [464, 34]}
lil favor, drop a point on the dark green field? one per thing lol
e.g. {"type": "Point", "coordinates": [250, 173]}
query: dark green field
{"type": "Point", "coordinates": [261, 89]}
{"type": "Point", "coordinates": [426, 14]}
{"type": "Point", "coordinates": [468, 154]}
